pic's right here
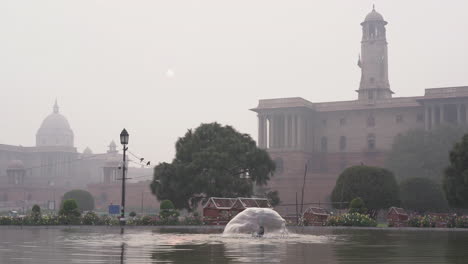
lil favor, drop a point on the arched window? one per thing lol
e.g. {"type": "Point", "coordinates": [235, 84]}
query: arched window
{"type": "Point", "coordinates": [342, 143]}
{"type": "Point", "coordinates": [371, 142]}
{"type": "Point", "coordinates": [324, 144]}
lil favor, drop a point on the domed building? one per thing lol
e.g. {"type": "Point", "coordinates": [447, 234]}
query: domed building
{"type": "Point", "coordinates": [55, 131]}
{"type": "Point", "coordinates": [41, 174]}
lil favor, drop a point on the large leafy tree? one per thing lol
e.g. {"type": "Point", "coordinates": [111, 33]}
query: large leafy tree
{"type": "Point", "coordinates": [377, 187]}
{"type": "Point", "coordinates": [84, 199]}
{"type": "Point", "coordinates": [423, 154]}
{"type": "Point", "coordinates": [456, 175]}
{"type": "Point", "coordinates": [212, 160]}
{"type": "Point", "coordinates": [422, 195]}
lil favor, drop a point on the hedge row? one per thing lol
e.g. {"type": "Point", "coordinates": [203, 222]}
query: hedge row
{"type": "Point", "coordinates": [438, 221]}
{"type": "Point", "coordinates": [92, 218]}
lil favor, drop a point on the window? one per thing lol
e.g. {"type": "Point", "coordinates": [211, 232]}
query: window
{"type": "Point", "coordinates": [279, 165]}
{"type": "Point", "coordinates": [324, 144]}
{"type": "Point", "coordinates": [371, 121]}
{"type": "Point", "coordinates": [370, 95]}
{"type": "Point", "coordinates": [342, 143]}
{"type": "Point", "coordinates": [371, 142]}
{"type": "Point", "coordinates": [399, 118]}
{"type": "Point", "coordinates": [324, 122]}
{"type": "Point", "coordinates": [342, 121]}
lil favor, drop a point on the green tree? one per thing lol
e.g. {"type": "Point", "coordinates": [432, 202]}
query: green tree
{"type": "Point", "coordinates": [422, 195]}
{"type": "Point", "coordinates": [377, 187]}
{"type": "Point", "coordinates": [357, 206]}
{"type": "Point", "coordinates": [167, 209]}
{"type": "Point", "coordinates": [423, 154]}
{"type": "Point", "coordinates": [213, 160]}
{"type": "Point", "coordinates": [83, 198]}
{"type": "Point", "coordinates": [69, 208]}
{"type": "Point", "coordinates": [455, 181]}
{"type": "Point", "coordinates": [36, 212]}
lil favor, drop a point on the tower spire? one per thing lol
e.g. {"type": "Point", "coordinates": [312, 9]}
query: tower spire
{"type": "Point", "coordinates": [373, 61]}
{"type": "Point", "coordinates": [56, 107]}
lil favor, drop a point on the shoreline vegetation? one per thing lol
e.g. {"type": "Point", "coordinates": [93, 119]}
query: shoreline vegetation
{"type": "Point", "coordinates": [292, 229]}
{"type": "Point", "coordinates": [349, 220]}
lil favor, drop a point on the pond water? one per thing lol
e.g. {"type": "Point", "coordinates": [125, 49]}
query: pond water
{"type": "Point", "coordinates": [205, 245]}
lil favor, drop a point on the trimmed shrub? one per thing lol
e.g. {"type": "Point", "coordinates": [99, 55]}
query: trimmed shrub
{"type": "Point", "coordinates": [357, 206]}
{"type": "Point", "coordinates": [69, 213]}
{"type": "Point", "coordinates": [84, 199]}
{"type": "Point", "coordinates": [167, 211]}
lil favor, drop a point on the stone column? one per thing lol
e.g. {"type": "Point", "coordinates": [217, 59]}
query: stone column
{"type": "Point", "coordinates": [300, 132]}
{"type": "Point", "coordinates": [426, 118]}
{"type": "Point", "coordinates": [286, 131]}
{"type": "Point", "coordinates": [261, 131]}
{"type": "Point", "coordinates": [466, 114]}
{"type": "Point", "coordinates": [276, 131]}
{"type": "Point", "coordinates": [282, 134]}
{"type": "Point", "coordinates": [293, 131]}
{"type": "Point", "coordinates": [270, 131]}
{"type": "Point", "coordinates": [442, 114]}
{"type": "Point", "coordinates": [459, 121]}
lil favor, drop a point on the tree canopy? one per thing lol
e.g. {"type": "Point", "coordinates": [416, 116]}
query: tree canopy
{"type": "Point", "coordinates": [69, 208]}
{"type": "Point", "coordinates": [377, 187]}
{"type": "Point", "coordinates": [357, 206]}
{"type": "Point", "coordinates": [455, 181]}
{"type": "Point", "coordinates": [422, 195]}
{"type": "Point", "coordinates": [84, 199]}
{"type": "Point", "coordinates": [212, 160]}
{"type": "Point", "coordinates": [423, 154]}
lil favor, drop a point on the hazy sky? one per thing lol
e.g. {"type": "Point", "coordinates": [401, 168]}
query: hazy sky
{"type": "Point", "coordinates": [159, 67]}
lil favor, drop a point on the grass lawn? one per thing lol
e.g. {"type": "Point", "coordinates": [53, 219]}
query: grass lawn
{"type": "Point", "coordinates": [382, 225]}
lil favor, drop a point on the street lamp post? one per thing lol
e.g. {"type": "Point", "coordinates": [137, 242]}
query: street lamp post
{"type": "Point", "coordinates": [124, 142]}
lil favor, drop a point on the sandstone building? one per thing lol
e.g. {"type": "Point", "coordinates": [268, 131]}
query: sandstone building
{"type": "Point", "coordinates": [331, 136]}
{"type": "Point", "coordinates": [41, 174]}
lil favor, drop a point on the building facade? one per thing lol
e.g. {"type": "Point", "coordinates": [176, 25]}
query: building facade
{"type": "Point", "coordinates": [331, 136]}
{"type": "Point", "coordinates": [43, 173]}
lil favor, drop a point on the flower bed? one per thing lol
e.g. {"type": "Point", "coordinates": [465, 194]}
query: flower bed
{"type": "Point", "coordinates": [91, 218]}
{"type": "Point", "coordinates": [438, 221]}
{"type": "Point", "coordinates": [351, 219]}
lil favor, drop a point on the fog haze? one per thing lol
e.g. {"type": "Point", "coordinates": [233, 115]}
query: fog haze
{"type": "Point", "coordinates": [159, 68]}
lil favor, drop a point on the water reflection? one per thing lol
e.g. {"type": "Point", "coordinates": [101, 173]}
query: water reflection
{"type": "Point", "coordinates": [204, 253]}
{"type": "Point", "coordinates": [146, 245]}
{"type": "Point", "coordinates": [122, 253]}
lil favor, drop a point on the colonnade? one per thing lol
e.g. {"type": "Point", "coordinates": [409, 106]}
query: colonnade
{"type": "Point", "coordinates": [439, 113]}
{"type": "Point", "coordinates": [282, 130]}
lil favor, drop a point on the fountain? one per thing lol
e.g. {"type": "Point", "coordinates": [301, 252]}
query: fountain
{"type": "Point", "coordinates": [250, 220]}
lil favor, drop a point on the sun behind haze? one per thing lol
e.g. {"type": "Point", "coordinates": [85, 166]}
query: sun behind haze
{"type": "Point", "coordinates": [159, 68]}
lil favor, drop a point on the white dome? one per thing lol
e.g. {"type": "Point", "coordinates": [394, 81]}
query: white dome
{"type": "Point", "coordinates": [374, 16]}
{"type": "Point", "coordinates": [55, 131]}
